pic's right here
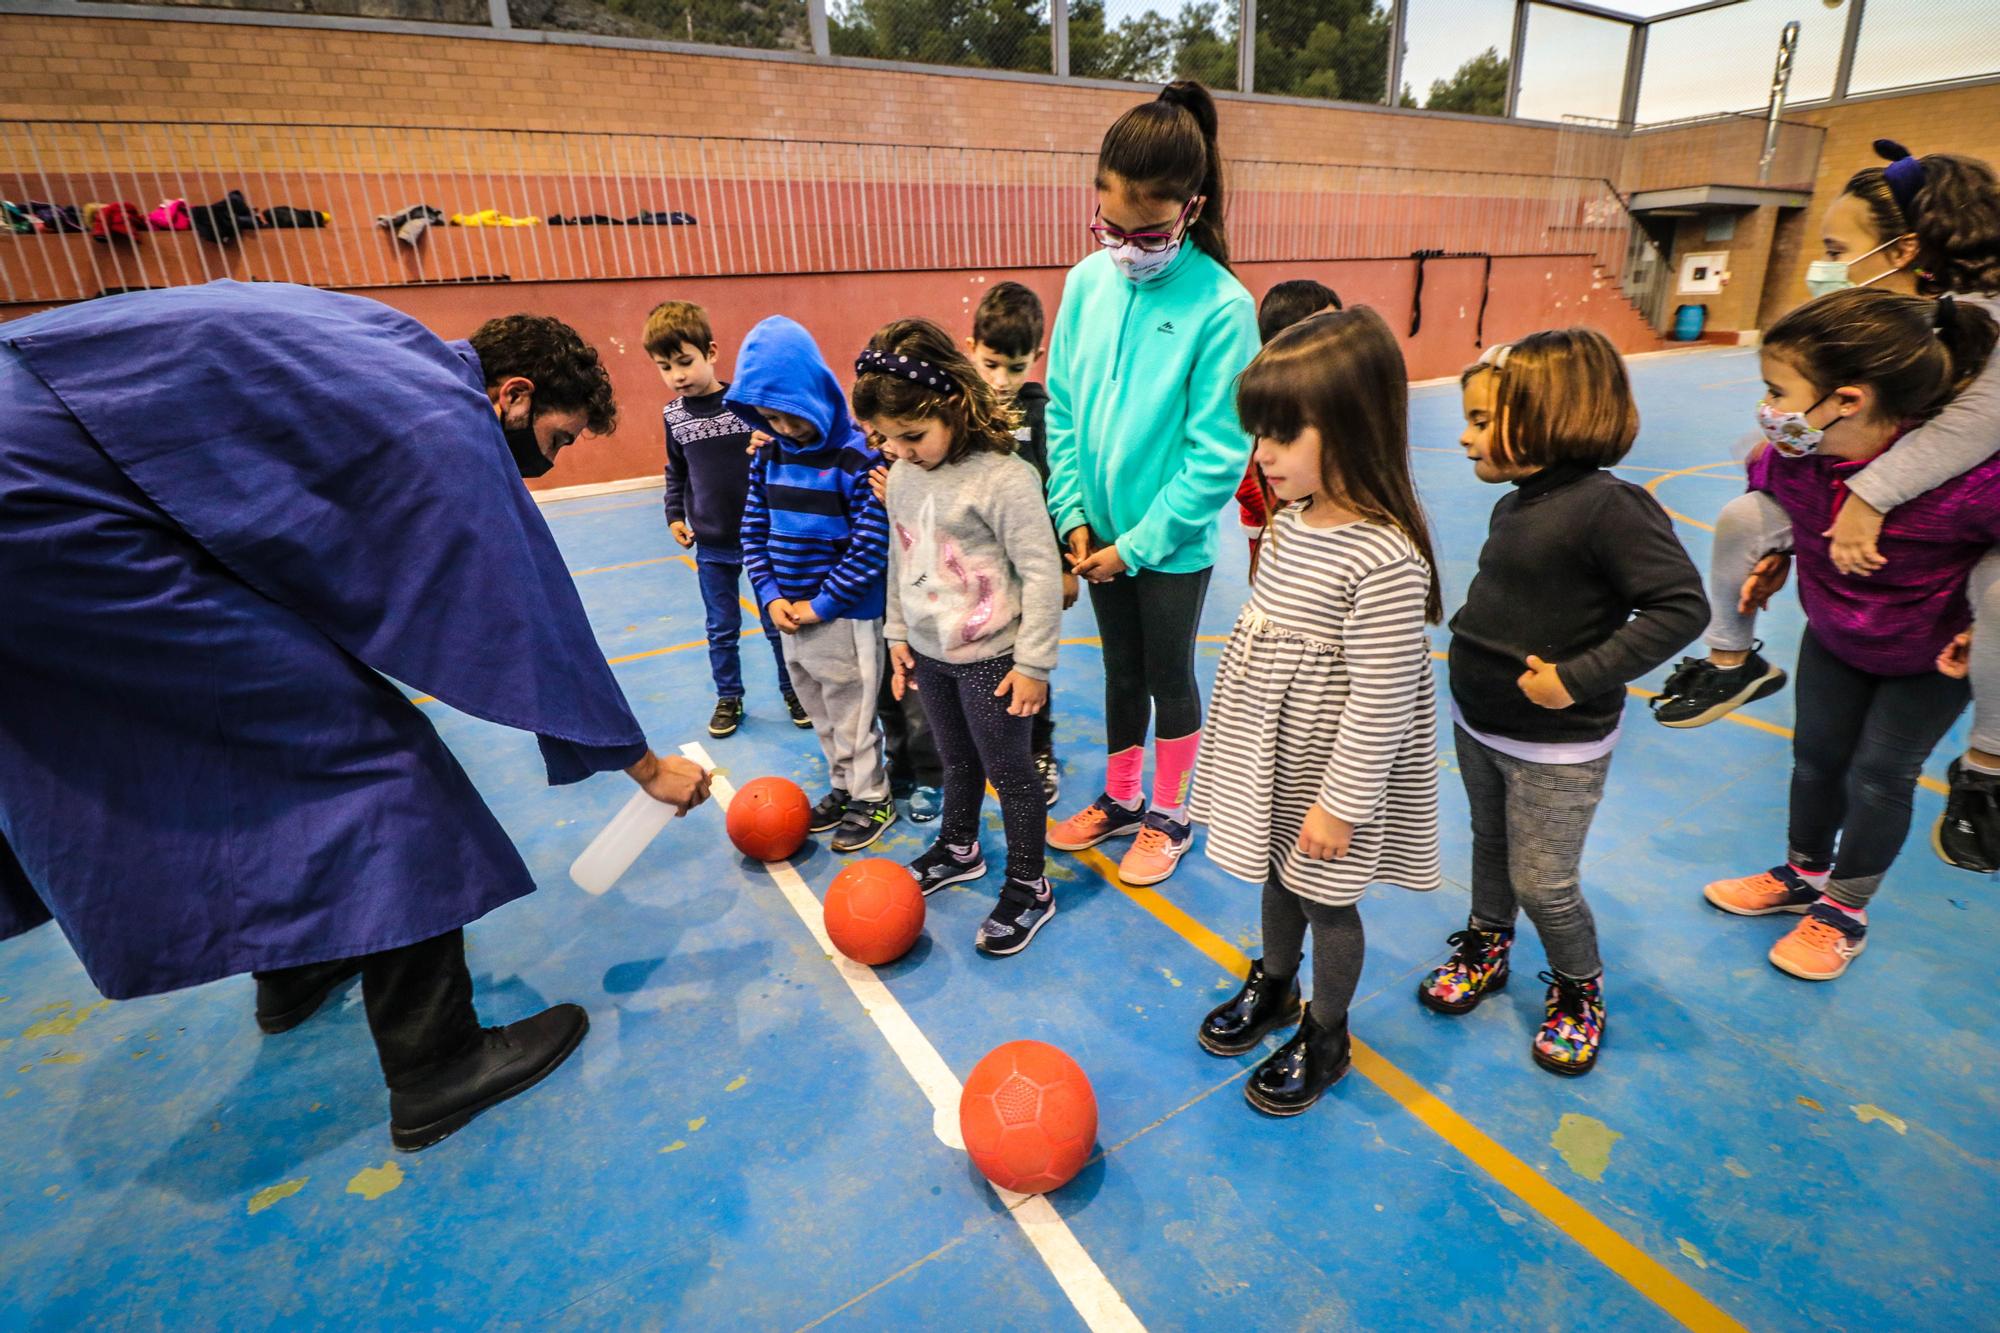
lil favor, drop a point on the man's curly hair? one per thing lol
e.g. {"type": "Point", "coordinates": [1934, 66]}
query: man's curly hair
{"type": "Point", "coordinates": [567, 374]}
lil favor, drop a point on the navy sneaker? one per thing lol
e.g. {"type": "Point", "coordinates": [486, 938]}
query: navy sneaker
{"type": "Point", "coordinates": [941, 866]}
{"type": "Point", "coordinates": [1022, 910]}
{"type": "Point", "coordinates": [864, 822]}
{"type": "Point", "coordinates": [832, 808]}
{"type": "Point", "coordinates": [926, 804]}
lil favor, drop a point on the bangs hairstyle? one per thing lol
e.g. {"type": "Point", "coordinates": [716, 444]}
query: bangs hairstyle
{"type": "Point", "coordinates": [672, 323]}
{"type": "Point", "coordinates": [1009, 320]}
{"type": "Point", "coordinates": [1561, 396]}
{"type": "Point", "coordinates": [1915, 354]}
{"type": "Point", "coordinates": [1341, 372]}
{"type": "Point", "coordinates": [977, 418]}
{"type": "Point", "coordinates": [1165, 149]}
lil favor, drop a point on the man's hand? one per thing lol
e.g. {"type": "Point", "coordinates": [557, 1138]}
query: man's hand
{"type": "Point", "coordinates": [1072, 589]}
{"type": "Point", "coordinates": [803, 614]}
{"type": "Point", "coordinates": [1324, 837]}
{"type": "Point", "coordinates": [1854, 532]}
{"type": "Point", "coordinates": [878, 482]}
{"type": "Point", "coordinates": [780, 612]}
{"type": "Point", "coordinates": [1543, 686]}
{"type": "Point", "coordinates": [1766, 578]}
{"type": "Point", "coordinates": [1029, 694]}
{"type": "Point", "coordinates": [1104, 566]}
{"type": "Point", "coordinates": [681, 783]}
{"type": "Point", "coordinates": [904, 663]}
{"type": "Point", "coordinates": [1956, 659]}
{"type": "Point", "coordinates": [682, 533]}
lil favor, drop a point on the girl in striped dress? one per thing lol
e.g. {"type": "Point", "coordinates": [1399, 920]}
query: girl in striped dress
{"type": "Point", "coordinates": [1318, 771]}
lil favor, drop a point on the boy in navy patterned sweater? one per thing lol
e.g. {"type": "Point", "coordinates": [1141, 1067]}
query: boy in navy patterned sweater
{"type": "Point", "coordinates": [708, 477]}
{"type": "Point", "coordinates": [816, 545]}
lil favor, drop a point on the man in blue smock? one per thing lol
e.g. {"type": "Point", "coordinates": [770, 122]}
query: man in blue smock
{"type": "Point", "coordinates": [227, 513]}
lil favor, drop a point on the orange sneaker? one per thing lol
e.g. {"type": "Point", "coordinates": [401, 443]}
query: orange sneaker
{"type": "Point", "coordinates": [1102, 818]}
{"type": "Point", "coordinates": [1157, 850]}
{"type": "Point", "coordinates": [1821, 946]}
{"type": "Point", "coordinates": [1779, 889]}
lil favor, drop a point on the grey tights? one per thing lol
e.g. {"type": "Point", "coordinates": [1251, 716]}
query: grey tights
{"type": "Point", "coordinates": [1338, 944]}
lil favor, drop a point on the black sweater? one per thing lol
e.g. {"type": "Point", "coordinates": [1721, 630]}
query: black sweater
{"type": "Point", "coordinates": [708, 470]}
{"type": "Point", "coordinates": [1031, 441]}
{"type": "Point", "coordinates": [1584, 571]}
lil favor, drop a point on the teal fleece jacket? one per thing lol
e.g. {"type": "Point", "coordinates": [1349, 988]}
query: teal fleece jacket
{"type": "Point", "coordinates": [1144, 444]}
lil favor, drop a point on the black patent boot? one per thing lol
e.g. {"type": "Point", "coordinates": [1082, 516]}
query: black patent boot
{"type": "Point", "coordinates": [1265, 1002]}
{"type": "Point", "coordinates": [1302, 1070]}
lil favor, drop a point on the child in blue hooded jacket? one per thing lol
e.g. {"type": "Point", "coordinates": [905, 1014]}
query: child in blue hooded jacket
{"type": "Point", "coordinates": [816, 547]}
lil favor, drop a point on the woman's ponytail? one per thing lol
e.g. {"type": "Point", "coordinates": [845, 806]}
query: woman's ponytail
{"type": "Point", "coordinates": [1209, 231]}
{"type": "Point", "coordinates": [1968, 335]}
{"type": "Point", "coordinates": [1167, 148]}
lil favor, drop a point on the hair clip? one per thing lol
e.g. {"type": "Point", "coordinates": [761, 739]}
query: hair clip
{"type": "Point", "coordinates": [1495, 356]}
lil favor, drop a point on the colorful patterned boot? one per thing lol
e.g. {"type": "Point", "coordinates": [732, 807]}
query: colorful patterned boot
{"type": "Point", "coordinates": [1477, 970]}
{"type": "Point", "coordinates": [1573, 1031]}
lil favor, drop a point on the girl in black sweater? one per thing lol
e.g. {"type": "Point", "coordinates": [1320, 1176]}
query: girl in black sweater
{"type": "Point", "coordinates": [1582, 587]}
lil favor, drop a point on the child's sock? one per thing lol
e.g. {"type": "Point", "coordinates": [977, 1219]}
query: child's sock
{"type": "Point", "coordinates": [962, 851]}
{"type": "Point", "coordinates": [1122, 773]}
{"type": "Point", "coordinates": [1816, 878]}
{"type": "Point", "coordinates": [1173, 765]}
{"type": "Point", "coordinates": [1980, 766]}
{"type": "Point", "coordinates": [1860, 914]}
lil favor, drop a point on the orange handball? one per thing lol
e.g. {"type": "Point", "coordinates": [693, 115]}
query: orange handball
{"type": "Point", "coordinates": [1028, 1117]}
{"type": "Point", "coordinates": [768, 819]}
{"type": "Point", "coordinates": [874, 911]}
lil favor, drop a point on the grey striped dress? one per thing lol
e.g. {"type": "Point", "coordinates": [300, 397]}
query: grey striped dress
{"type": "Point", "coordinates": [1325, 693]}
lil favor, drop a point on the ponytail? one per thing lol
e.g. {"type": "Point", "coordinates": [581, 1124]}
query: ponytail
{"type": "Point", "coordinates": [1166, 148]}
{"type": "Point", "coordinates": [1968, 335]}
{"type": "Point", "coordinates": [1915, 354]}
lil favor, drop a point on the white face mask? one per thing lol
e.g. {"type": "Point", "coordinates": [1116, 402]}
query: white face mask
{"type": "Point", "coordinates": [1145, 265]}
{"type": "Point", "coordinates": [1830, 275]}
{"type": "Point", "coordinates": [1789, 432]}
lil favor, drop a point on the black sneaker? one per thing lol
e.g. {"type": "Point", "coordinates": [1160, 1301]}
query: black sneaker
{"type": "Point", "coordinates": [1698, 692]}
{"type": "Point", "coordinates": [1022, 910]}
{"type": "Point", "coordinates": [1967, 835]}
{"type": "Point", "coordinates": [798, 712]}
{"type": "Point", "coordinates": [832, 808]}
{"type": "Point", "coordinates": [941, 866]}
{"type": "Point", "coordinates": [1051, 775]}
{"type": "Point", "coordinates": [864, 822]}
{"type": "Point", "coordinates": [726, 718]}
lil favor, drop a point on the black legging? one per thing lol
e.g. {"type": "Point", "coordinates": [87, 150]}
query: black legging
{"type": "Point", "coordinates": [1858, 750]}
{"type": "Point", "coordinates": [979, 740]}
{"type": "Point", "coordinates": [1148, 622]}
{"type": "Point", "coordinates": [1338, 946]}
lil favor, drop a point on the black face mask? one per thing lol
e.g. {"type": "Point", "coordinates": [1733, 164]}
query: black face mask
{"type": "Point", "coordinates": [527, 451]}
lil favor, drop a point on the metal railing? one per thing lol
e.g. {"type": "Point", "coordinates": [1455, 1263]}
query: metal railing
{"type": "Point", "coordinates": [605, 206]}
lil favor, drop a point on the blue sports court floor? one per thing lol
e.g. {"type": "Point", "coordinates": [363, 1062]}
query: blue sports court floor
{"type": "Point", "coordinates": [738, 1145]}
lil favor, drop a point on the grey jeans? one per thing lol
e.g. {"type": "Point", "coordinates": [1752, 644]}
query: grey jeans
{"type": "Point", "coordinates": [836, 669]}
{"type": "Point", "coordinates": [1752, 526]}
{"type": "Point", "coordinates": [1529, 822]}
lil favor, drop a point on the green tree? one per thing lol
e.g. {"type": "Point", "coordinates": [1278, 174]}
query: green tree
{"type": "Point", "coordinates": [1479, 87]}
{"type": "Point", "coordinates": [1323, 48]}
{"type": "Point", "coordinates": [984, 34]}
{"type": "Point", "coordinates": [1138, 48]}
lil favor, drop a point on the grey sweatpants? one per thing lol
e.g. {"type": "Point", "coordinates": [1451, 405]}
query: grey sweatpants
{"type": "Point", "coordinates": [836, 668]}
{"type": "Point", "coordinates": [1529, 822]}
{"type": "Point", "coordinates": [1752, 526]}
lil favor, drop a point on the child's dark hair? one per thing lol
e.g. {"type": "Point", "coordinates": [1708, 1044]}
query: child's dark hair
{"type": "Point", "coordinates": [1949, 203]}
{"type": "Point", "coordinates": [1342, 373]}
{"type": "Point", "coordinates": [1289, 302]}
{"type": "Point", "coordinates": [567, 374]}
{"type": "Point", "coordinates": [1559, 396]}
{"type": "Point", "coordinates": [1009, 320]}
{"type": "Point", "coordinates": [1165, 149]}
{"type": "Point", "coordinates": [978, 419]}
{"type": "Point", "coordinates": [670, 324]}
{"type": "Point", "coordinates": [1914, 353]}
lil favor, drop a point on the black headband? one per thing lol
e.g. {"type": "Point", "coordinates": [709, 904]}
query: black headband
{"type": "Point", "coordinates": [874, 361]}
{"type": "Point", "coordinates": [1904, 174]}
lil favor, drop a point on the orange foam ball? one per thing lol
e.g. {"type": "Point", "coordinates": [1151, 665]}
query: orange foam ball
{"type": "Point", "coordinates": [1028, 1117]}
{"type": "Point", "coordinates": [768, 819]}
{"type": "Point", "coordinates": [874, 911]}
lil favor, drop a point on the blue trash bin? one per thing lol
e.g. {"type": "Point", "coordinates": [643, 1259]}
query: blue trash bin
{"type": "Point", "coordinates": [1688, 322]}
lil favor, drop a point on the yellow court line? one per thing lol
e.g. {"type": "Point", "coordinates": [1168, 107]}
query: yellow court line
{"type": "Point", "coordinates": [1644, 1273]}
{"type": "Point", "coordinates": [1653, 486]}
{"type": "Point", "coordinates": [634, 564]}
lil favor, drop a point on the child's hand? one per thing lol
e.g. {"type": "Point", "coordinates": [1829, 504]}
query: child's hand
{"type": "Point", "coordinates": [1766, 578]}
{"type": "Point", "coordinates": [1077, 544]}
{"type": "Point", "coordinates": [1029, 694]}
{"type": "Point", "coordinates": [682, 533]}
{"type": "Point", "coordinates": [904, 663]}
{"type": "Point", "coordinates": [803, 614]}
{"type": "Point", "coordinates": [1854, 532]}
{"type": "Point", "coordinates": [1104, 566]}
{"type": "Point", "coordinates": [1324, 837]}
{"type": "Point", "coordinates": [758, 439]}
{"type": "Point", "coordinates": [1956, 659]}
{"type": "Point", "coordinates": [878, 482]}
{"type": "Point", "coordinates": [1072, 588]}
{"type": "Point", "coordinates": [780, 612]}
{"type": "Point", "coordinates": [1543, 686]}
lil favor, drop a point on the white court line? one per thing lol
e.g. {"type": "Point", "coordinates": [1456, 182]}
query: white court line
{"type": "Point", "coordinates": [1097, 1302]}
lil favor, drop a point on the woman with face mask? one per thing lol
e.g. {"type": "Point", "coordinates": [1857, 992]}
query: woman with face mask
{"type": "Point", "coordinates": [1919, 226]}
{"type": "Point", "coordinates": [1145, 450]}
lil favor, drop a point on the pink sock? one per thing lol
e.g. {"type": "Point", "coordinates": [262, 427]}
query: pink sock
{"type": "Point", "coordinates": [1173, 766]}
{"type": "Point", "coordinates": [1122, 773]}
{"type": "Point", "coordinates": [1816, 878]}
{"type": "Point", "coordinates": [1858, 913]}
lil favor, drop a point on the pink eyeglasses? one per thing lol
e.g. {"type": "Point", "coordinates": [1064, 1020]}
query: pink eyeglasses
{"type": "Point", "coordinates": [1152, 242]}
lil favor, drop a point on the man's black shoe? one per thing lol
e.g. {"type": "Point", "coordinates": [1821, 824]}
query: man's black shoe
{"type": "Point", "coordinates": [289, 997]}
{"type": "Point", "coordinates": [503, 1063]}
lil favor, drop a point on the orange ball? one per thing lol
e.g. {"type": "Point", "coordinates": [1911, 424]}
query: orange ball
{"type": "Point", "coordinates": [874, 911]}
{"type": "Point", "coordinates": [768, 819]}
{"type": "Point", "coordinates": [1028, 1117]}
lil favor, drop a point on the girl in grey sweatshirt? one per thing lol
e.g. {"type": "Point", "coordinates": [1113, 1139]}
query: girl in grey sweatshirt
{"type": "Point", "coordinates": [974, 608]}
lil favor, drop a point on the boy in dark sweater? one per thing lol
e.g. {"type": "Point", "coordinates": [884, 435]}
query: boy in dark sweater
{"type": "Point", "coordinates": [708, 476]}
{"type": "Point", "coordinates": [1006, 342]}
{"type": "Point", "coordinates": [816, 546]}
